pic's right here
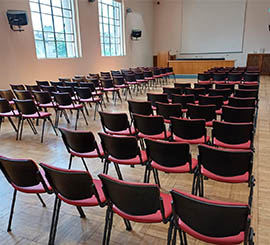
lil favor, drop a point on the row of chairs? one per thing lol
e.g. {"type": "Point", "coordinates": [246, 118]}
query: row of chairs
{"type": "Point", "coordinates": [137, 202]}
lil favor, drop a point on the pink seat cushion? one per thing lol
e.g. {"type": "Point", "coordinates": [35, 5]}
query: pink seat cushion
{"type": "Point", "coordinates": [135, 160]}
{"type": "Point", "coordinates": [151, 218]}
{"type": "Point", "coordinates": [41, 114]}
{"type": "Point", "coordinates": [110, 89]}
{"type": "Point", "coordinates": [90, 100]}
{"type": "Point", "coordinates": [48, 105]}
{"type": "Point", "coordinates": [233, 179]}
{"type": "Point", "coordinates": [192, 141]}
{"type": "Point", "coordinates": [204, 82]}
{"type": "Point", "coordinates": [89, 201]}
{"type": "Point", "coordinates": [10, 114]}
{"type": "Point", "coordinates": [245, 145]}
{"type": "Point", "coordinates": [155, 136]}
{"type": "Point", "coordinates": [75, 106]}
{"type": "Point", "coordinates": [92, 154]}
{"type": "Point", "coordinates": [219, 112]}
{"type": "Point", "coordinates": [181, 169]}
{"type": "Point", "coordinates": [122, 132]}
{"type": "Point", "coordinates": [209, 124]}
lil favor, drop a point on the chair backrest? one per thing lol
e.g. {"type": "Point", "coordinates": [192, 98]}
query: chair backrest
{"type": "Point", "coordinates": [223, 92]}
{"type": "Point", "coordinates": [210, 218]}
{"type": "Point", "coordinates": [242, 102]}
{"type": "Point", "coordinates": [49, 89]}
{"type": "Point", "coordinates": [4, 106]}
{"type": "Point", "coordinates": [120, 147]}
{"type": "Point", "coordinates": [130, 77]}
{"type": "Point", "coordinates": [183, 99]}
{"type": "Point", "coordinates": [26, 107]}
{"type": "Point", "coordinates": [207, 112]}
{"type": "Point", "coordinates": [107, 83]}
{"type": "Point", "coordinates": [83, 92]}
{"type": "Point", "coordinates": [206, 86]}
{"type": "Point", "coordinates": [232, 133]}
{"type": "Point", "coordinates": [246, 93]}
{"type": "Point", "coordinates": [211, 100]}
{"type": "Point", "coordinates": [43, 83]}
{"type": "Point", "coordinates": [78, 141]}
{"type": "Point", "coordinates": [204, 76]}
{"type": "Point", "coordinates": [219, 76]}
{"type": "Point", "coordinates": [55, 84]}
{"type": "Point", "coordinates": [114, 121]}
{"type": "Point", "coordinates": [23, 94]}
{"type": "Point", "coordinates": [235, 77]}
{"type": "Point", "coordinates": [149, 125]}
{"type": "Point", "coordinates": [131, 198]}
{"type": "Point", "coordinates": [32, 88]}
{"type": "Point", "coordinates": [140, 107]}
{"type": "Point", "coordinates": [64, 79]}
{"type": "Point", "coordinates": [95, 81]}
{"type": "Point", "coordinates": [238, 114]}
{"type": "Point", "coordinates": [17, 86]}
{"type": "Point", "coordinates": [42, 97]}
{"type": "Point", "coordinates": [182, 85]}
{"type": "Point", "coordinates": [118, 80]}
{"type": "Point", "coordinates": [169, 110]}
{"type": "Point", "coordinates": [66, 89]}
{"type": "Point", "coordinates": [169, 91]}
{"type": "Point", "coordinates": [251, 77]}
{"type": "Point", "coordinates": [63, 98]}
{"type": "Point", "coordinates": [225, 86]}
{"type": "Point", "coordinates": [20, 172]}
{"type": "Point", "coordinates": [71, 184]}
{"type": "Point", "coordinates": [71, 84]}
{"type": "Point", "coordinates": [7, 94]}
{"type": "Point", "coordinates": [188, 128]}
{"type": "Point", "coordinates": [225, 163]}
{"type": "Point", "coordinates": [195, 91]}
{"type": "Point", "coordinates": [249, 86]}
{"type": "Point", "coordinates": [153, 98]}
{"type": "Point", "coordinates": [168, 154]}
{"type": "Point", "coordinates": [148, 73]}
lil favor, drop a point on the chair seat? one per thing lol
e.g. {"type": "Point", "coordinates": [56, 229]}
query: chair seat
{"type": "Point", "coordinates": [151, 218]}
{"type": "Point", "coordinates": [219, 112]}
{"type": "Point", "coordinates": [92, 154]}
{"type": "Point", "coordinates": [155, 136]}
{"type": "Point", "coordinates": [132, 161]}
{"type": "Point", "coordinates": [36, 188]}
{"type": "Point", "coordinates": [158, 76]}
{"type": "Point", "coordinates": [229, 179]}
{"type": "Point", "coordinates": [180, 169]}
{"type": "Point", "coordinates": [169, 73]}
{"type": "Point", "coordinates": [41, 114]}
{"type": "Point", "coordinates": [149, 78]}
{"type": "Point", "coordinates": [251, 83]}
{"type": "Point", "coordinates": [235, 239]}
{"type": "Point", "coordinates": [97, 93]}
{"type": "Point", "coordinates": [218, 82]}
{"type": "Point", "coordinates": [234, 82]}
{"type": "Point", "coordinates": [201, 140]}
{"type": "Point", "coordinates": [204, 82]}
{"type": "Point", "coordinates": [110, 89]}
{"type": "Point", "coordinates": [71, 106]}
{"type": "Point", "coordinates": [121, 86]}
{"type": "Point", "coordinates": [132, 83]}
{"type": "Point", "coordinates": [209, 124]}
{"type": "Point", "coordinates": [48, 105]}
{"type": "Point", "coordinates": [14, 113]}
{"type": "Point", "coordinates": [246, 145]}
{"type": "Point", "coordinates": [122, 132]}
{"type": "Point", "coordinates": [90, 100]}
{"type": "Point", "coordinates": [141, 80]}
{"type": "Point", "coordinates": [89, 201]}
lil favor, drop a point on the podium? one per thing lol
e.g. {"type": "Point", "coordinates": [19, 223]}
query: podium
{"type": "Point", "coordinates": [260, 60]}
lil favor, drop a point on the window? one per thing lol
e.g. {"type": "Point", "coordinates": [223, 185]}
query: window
{"type": "Point", "coordinates": [54, 28]}
{"type": "Point", "coordinates": [110, 27]}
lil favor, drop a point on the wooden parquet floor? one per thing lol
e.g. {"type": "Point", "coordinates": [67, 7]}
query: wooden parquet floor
{"type": "Point", "coordinates": [31, 222]}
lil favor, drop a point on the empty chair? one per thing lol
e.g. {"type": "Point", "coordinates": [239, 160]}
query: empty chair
{"type": "Point", "coordinates": [108, 86]}
{"type": "Point", "coordinates": [191, 131]}
{"type": "Point", "coordinates": [139, 76]}
{"type": "Point", "coordinates": [143, 203]}
{"type": "Point", "coordinates": [57, 83]}
{"type": "Point", "coordinates": [153, 98]}
{"type": "Point", "coordinates": [64, 102]}
{"type": "Point", "coordinates": [210, 221]}
{"type": "Point", "coordinates": [42, 83]}
{"type": "Point", "coordinates": [152, 127]}
{"type": "Point", "coordinates": [28, 111]}
{"type": "Point", "coordinates": [212, 100]}
{"type": "Point", "coordinates": [17, 86]}
{"type": "Point", "coordinates": [225, 165]}
{"type": "Point", "coordinates": [242, 102]}
{"type": "Point", "coordinates": [81, 144]}
{"type": "Point", "coordinates": [32, 88]}
{"type": "Point", "coordinates": [105, 74]}
{"type": "Point", "coordinates": [206, 112]}
{"type": "Point", "coordinates": [238, 114]}
{"type": "Point", "coordinates": [246, 93]}
{"type": "Point", "coordinates": [169, 110]}
{"type": "Point", "coordinates": [23, 94]}
{"type": "Point", "coordinates": [25, 176]}
{"type": "Point", "coordinates": [140, 107]}
{"type": "Point", "coordinates": [249, 86]}
{"type": "Point", "coordinates": [183, 100]}
{"type": "Point", "coordinates": [49, 89]}
{"type": "Point", "coordinates": [234, 78]}
{"type": "Point", "coordinates": [116, 123]}
{"type": "Point", "coordinates": [121, 150]}
{"type": "Point", "coordinates": [204, 85]}
{"type": "Point", "coordinates": [131, 80]}
{"type": "Point", "coordinates": [148, 76]}
{"type": "Point", "coordinates": [204, 78]}
{"type": "Point", "coordinates": [195, 91]}
{"type": "Point", "coordinates": [226, 86]}
{"type": "Point", "coordinates": [8, 112]}
{"type": "Point", "coordinates": [73, 187]}
{"type": "Point", "coordinates": [169, 91]}
{"type": "Point", "coordinates": [67, 89]}
{"type": "Point", "coordinates": [251, 78]}
{"type": "Point", "coordinates": [182, 86]}
{"type": "Point", "coordinates": [8, 95]}
{"type": "Point", "coordinates": [44, 100]}
{"type": "Point", "coordinates": [219, 77]}
{"type": "Point", "coordinates": [71, 84]}
{"type": "Point", "coordinates": [233, 135]}
{"type": "Point", "coordinates": [221, 92]}
{"type": "Point", "coordinates": [168, 157]}
{"type": "Point", "coordinates": [116, 73]}
{"type": "Point", "coordinates": [119, 82]}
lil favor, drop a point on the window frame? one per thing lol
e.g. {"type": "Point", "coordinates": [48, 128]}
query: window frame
{"type": "Point", "coordinates": [74, 34]}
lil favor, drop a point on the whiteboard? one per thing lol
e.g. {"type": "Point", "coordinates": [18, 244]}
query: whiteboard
{"type": "Point", "coordinates": [212, 26]}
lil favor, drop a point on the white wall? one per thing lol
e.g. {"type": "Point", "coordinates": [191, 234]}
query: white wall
{"type": "Point", "coordinates": [18, 62]}
{"type": "Point", "coordinates": [256, 35]}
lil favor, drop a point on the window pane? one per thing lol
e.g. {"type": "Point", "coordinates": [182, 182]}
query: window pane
{"type": "Point", "coordinates": [56, 3]}
{"type": "Point", "coordinates": [49, 36]}
{"type": "Point", "coordinates": [66, 4]}
{"type": "Point", "coordinates": [71, 49]}
{"type": "Point", "coordinates": [36, 22]}
{"type": "Point", "coordinates": [68, 25]}
{"type": "Point", "coordinates": [69, 37]}
{"type": "Point", "coordinates": [50, 49]}
{"type": "Point", "coordinates": [47, 22]}
{"type": "Point", "coordinates": [40, 49]}
{"type": "Point", "coordinates": [34, 7]}
{"type": "Point", "coordinates": [45, 9]}
{"type": "Point", "coordinates": [58, 24]}
{"type": "Point", "coordinates": [67, 13]}
{"type": "Point", "coordinates": [61, 49]}
{"type": "Point", "coordinates": [38, 35]}
{"type": "Point", "coordinates": [57, 11]}
{"type": "Point", "coordinates": [45, 1]}
{"type": "Point", "coordinates": [60, 37]}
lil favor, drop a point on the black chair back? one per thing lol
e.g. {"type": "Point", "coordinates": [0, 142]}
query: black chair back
{"type": "Point", "coordinates": [42, 97]}
{"type": "Point", "coordinates": [169, 91]}
{"type": "Point", "coordinates": [140, 107]}
{"type": "Point", "coordinates": [246, 93]}
{"type": "Point", "coordinates": [207, 112]}
{"type": "Point", "coordinates": [7, 94]}
{"type": "Point", "coordinates": [23, 94]}
{"type": "Point", "coordinates": [153, 98]}
{"type": "Point", "coordinates": [63, 98]}
{"type": "Point", "coordinates": [238, 114]}
{"type": "Point", "coordinates": [169, 110]}
{"type": "Point", "coordinates": [17, 86]}
{"type": "Point", "coordinates": [183, 99]}
{"type": "Point", "coordinates": [26, 107]}
{"type": "Point", "coordinates": [4, 106]}
{"type": "Point", "coordinates": [242, 102]}
{"type": "Point", "coordinates": [211, 100]}
{"type": "Point", "coordinates": [221, 92]}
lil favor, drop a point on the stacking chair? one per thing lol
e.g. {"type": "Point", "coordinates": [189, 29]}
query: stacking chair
{"type": "Point", "coordinates": [249, 86]}
{"type": "Point", "coordinates": [183, 100]}
{"type": "Point", "coordinates": [153, 98]}
{"type": "Point", "coordinates": [64, 79]}
{"type": "Point", "coordinates": [238, 114]}
{"type": "Point", "coordinates": [122, 150]}
{"type": "Point", "coordinates": [152, 127]}
{"type": "Point", "coordinates": [76, 188]}
{"type": "Point", "coordinates": [64, 102]}
{"type": "Point", "coordinates": [169, 110]}
{"type": "Point", "coordinates": [233, 135]}
{"type": "Point", "coordinates": [204, 78]}
{"type": "Point", "coordinates": [81, 144]}
{"type": "Point", "coordinates": [210, 221]}
{"type": "Point", "coordinates": [131, 80]}
{"type": "Point", "coordinates": [234, 78]}
{"type": "Point", "coordinates": [206, 86]}
{"type": "Point", "coordinates": [169, 91]}
{"type": "Point", "coordinates": [242, 102]}
{"type": "Point", "coordinates": [116, 123]}
{"type": "Point", "coordinates": [42, 83]}
{"type": "Point", "coordinates": [49, 89]}
{"type": "Point", "coordinates": [25, 176]}
{"type": "Point", "coordinates": [28, 111]}
{"type": "Point", "coordinates": [119, 82]}
{"type": "Point", "coordinates": [44, 100]}
{"type": "Point", "coordinates": [191, 131]}
{"type": "Point", "coordinates": [182, 86]}
{"type": "Point", "coordinates": [68, 89]}
{"type": "Point", "coordinates": [221, 92]}
{"type": "Point", "coordinates": [206, 112]}
{"type": "Point", "coordinates": [246, 93]}
{"type": "Point", "coordinates": [71, 84]}
{"type": "Point", "coordinates": [142, 203]}
{"type": "Point", "coordinates": [168, 157]}
{"type": "Point", "coordinates": [57, 83]}
{"type": "Point", "coordinates": [226, 86]}
{"type": "Point", "coordinates": [224, 165]}
{"type": "Point", "coordinates": [32, 88]}
{"type": "Point", "coordinates": [139, 76]}
{"type": "Point", "coordinates": [108, 86]}
{"type": "Point", "coordinates": [140, 107]}
{"type": "Point", "coordinates": [85, 95]}
{"type": "Point", "coordinates": [17, 87]}
{"type": "Point", "coordinates": [196, 92]}
{"type": "Point", "coordinates": [149, 77]}
{"type": "Point", "coordinates": [219, 77]}
{"type": "Point", "coordinates": [251, 78]}
{"type": "Point", "coordinates": [8, 112]}
{"type": "Point", "coordinates": [23, 94]}
{"type": "Point", "coordinates": [212, 100]}
{"type": "Point", "coordinates": [8, 95]}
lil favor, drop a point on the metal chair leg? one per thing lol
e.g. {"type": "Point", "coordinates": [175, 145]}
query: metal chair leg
{"type": "Point", "coordinates": [43, 127]}
{"type": "Point", "coordinates": [80, 210]}
{"type": "Point", "coordinates": [55, 217]}
{"type": "Point", "coordinates": [12, 210]}
{"type": "Point", "coordinates": [128, 225]}
{"type": "Point", "coordinates": [41, 200]}
{"type": "Point", "coordinates": [77, 118]}
{"type": "Point", "coordinates": [12, 124]}
{"type": "Point", "coordinates": [84, 163]}
{"type": "Point", "coordinates": [118, 171]}
{"type": "Point", "coordinates": [70, 161]}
